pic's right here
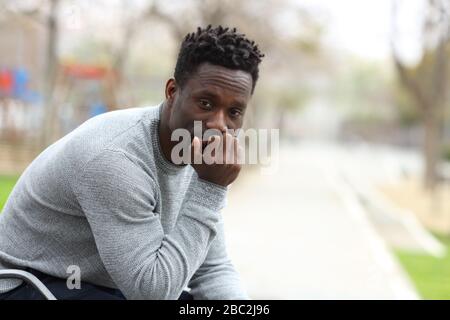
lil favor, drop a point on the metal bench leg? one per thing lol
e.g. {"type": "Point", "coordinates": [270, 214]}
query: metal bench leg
{"type": "Point", "coordinates": [28, 278]}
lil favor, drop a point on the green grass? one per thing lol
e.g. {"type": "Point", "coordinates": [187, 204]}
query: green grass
{"type": "Point", "coordinates": [6, 185]}
{"type": "Point", "coordinates": [430, 275]}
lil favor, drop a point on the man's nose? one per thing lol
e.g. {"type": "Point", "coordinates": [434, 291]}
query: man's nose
{"type": "Point", "coordinates": [217, 121]}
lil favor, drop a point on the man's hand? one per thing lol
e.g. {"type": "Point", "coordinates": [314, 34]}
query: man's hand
{"type": "Point", "coordinates": [220, 159]}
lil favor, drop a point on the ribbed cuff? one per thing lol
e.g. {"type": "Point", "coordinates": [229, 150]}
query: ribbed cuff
{"type": "Point", "coordinates": [206, 194]}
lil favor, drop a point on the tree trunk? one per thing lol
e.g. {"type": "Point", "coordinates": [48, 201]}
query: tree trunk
{"type": "Point", "coordinates": [431, 145]}
{"type": "Point", "coordinates": [50, 115]}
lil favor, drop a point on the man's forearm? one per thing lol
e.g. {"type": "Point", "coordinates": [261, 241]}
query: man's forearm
{"type": "Point", "coordinates": [217, 277]}
{"type": "Point", "coordinates": [143, 261]}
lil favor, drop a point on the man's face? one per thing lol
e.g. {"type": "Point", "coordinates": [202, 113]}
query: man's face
{"type": "Point", "coordinates": [214, 95]}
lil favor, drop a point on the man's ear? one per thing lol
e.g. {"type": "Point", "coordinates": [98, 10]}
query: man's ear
{"type": "Point", "coordinates": [171, 90]}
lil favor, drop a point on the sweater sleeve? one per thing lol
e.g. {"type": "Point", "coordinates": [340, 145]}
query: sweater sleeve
{"type": "Point", "coordinates": [217, 278]}
{"type": "Point", "coordinates": [118, 198]}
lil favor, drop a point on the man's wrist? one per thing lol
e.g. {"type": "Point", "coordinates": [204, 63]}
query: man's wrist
{"type": "Point", "coordinates": [206, 193]}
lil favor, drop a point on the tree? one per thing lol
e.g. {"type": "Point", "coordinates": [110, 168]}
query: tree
{"type": "Point", "coordinates": [427, 81]}
{"type": "Point", "coordinates": [50, 108]}
{"type": "Point", "coordinates": [45, 13]}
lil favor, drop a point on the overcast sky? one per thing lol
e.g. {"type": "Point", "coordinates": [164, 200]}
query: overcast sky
{"type": "Point", "coordinates": [363, 27]}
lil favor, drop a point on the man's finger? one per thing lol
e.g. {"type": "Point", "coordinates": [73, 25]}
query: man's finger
{"type": "Point", "coordinates": [236, 150]}
{"type": "Point", "coordinates": [219, 149]}
{"type": "Point", "coordinates": [209, 154]}
{"type": "Point", "coordinates": [228, 148]}
{"type": "Point", "coordinates": [196, 146]}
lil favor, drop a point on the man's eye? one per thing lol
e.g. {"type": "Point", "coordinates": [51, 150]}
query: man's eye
{"type": "Point", "coordinates": [205, 104]}
{"type": "Point", "coordinates": [235, 113]}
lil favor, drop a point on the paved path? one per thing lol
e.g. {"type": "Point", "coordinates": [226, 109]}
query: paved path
{"type": "Point", "coordinates": [302, 234]}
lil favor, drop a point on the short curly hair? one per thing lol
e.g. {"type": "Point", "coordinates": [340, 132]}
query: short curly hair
{"type": "Point", "coordinates": [219, 46]}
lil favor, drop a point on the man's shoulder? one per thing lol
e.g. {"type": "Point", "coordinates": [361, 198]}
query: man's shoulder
{"type": "Point", "coordinates": [123, 118]}
{"type": "Point", "coordinates": [107, 130]}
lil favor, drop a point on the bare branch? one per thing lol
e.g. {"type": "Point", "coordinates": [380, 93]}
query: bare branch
{"type": "Point", "coordinates": [34, 15]}
{"type": "Point", "coordinates": [155, 12]}
{"type": "Point", "coordinates": [409, 82]}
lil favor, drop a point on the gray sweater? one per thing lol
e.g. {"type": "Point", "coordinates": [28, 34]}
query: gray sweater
{"type": "Point", "coordinates": [104, 198]}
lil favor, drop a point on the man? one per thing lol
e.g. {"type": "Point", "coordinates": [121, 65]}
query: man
{"type": "Point", "coordinates": [108, 200]}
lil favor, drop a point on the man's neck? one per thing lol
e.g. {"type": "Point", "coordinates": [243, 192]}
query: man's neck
{"type": "Point", "coordinates": [165, 135]}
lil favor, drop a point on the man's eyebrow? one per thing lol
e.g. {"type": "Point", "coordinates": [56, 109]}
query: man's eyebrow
{"type": "Point", "coordinates": [214, 96]}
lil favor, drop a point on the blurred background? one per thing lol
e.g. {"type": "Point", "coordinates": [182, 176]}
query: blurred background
{"type": "Point", "coordinates": [360, 205]}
